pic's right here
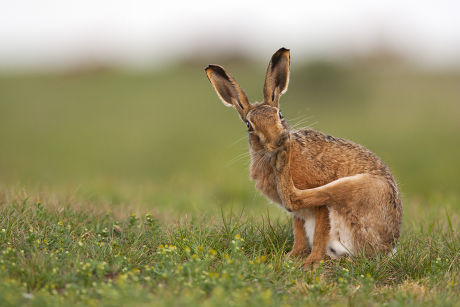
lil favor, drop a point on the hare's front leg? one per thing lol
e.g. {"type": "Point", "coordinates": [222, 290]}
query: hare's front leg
{"type": "Point", "coordinates": [288, 192]}
{"type": "Point", "coordinates": [300, 245]}
{"type": "Point", "coordinates": [322, 223]}
{"type": "Point", "coordinates": [320, 237]}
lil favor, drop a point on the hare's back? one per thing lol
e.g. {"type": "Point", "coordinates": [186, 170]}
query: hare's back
{"type": "Point", "coordinates": [318, 159]}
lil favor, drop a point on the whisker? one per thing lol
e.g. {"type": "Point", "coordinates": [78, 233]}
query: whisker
{"type": "Point", "coordinates": [302, 118]}
{"type": "Point", "coordinates": [311, 125]}
{"type": "Point", "coordinates": [296, 117]}
{"type": "Point", "coordinates": [238, 157]}
{"type": "Point", "coordinates": [237, 141]}
{"type": "Point", "coordinates": [304, 122]}
{"type": "Point", "coordinates": [300, 125]}
{"type": "Point", "coordinates": [260, 159]}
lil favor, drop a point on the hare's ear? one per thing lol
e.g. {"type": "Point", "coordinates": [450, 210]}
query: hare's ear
{"type": "Point", "coordinates": [277, 78]}
{"type": "Point", "coordinates": [228, 89]}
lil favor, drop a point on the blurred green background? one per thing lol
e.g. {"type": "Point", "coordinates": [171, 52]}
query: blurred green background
{"type": "Point", "coordinates": [162, 140]}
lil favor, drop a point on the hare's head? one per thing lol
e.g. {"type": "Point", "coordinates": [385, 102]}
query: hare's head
{"type": "Point", "coordinates": [265, 123]}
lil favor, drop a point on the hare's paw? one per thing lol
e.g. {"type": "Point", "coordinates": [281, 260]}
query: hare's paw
{"type": "Point", "coordinates": [297, 252]}
{"type": "Point", "coordinates": [312, 262]}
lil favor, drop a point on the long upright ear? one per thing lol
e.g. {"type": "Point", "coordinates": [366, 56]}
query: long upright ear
{"type": "Point", "coordinates": [228, 89]}
{"type": "Point", "coordinates": [277, 78]}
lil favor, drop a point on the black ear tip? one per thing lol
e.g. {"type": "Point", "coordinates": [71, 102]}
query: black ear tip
{"type": "Point", "coordinates": [217, 70]}
{"type": "Point", "coordinates": [210, 67]}
{"type": "Point", "coordinates": [282, 53]}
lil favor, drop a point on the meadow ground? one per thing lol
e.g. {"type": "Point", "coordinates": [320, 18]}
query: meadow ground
{"type": "Point", "coordinates": [119, 188]}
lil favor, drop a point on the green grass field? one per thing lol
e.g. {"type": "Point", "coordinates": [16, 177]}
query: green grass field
{"type": "Point", "coordinates": [121, 188]}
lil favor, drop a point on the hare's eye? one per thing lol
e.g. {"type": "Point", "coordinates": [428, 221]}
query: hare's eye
{"type": "Point", "coordinates": [280, 115]}
{"type": "Point", "coordinates": [249, 125]}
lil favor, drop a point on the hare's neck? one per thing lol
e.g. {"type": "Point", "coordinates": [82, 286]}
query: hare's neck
{"type": "Point", "coordinates": [260, 160]}
{"type": "Point", "coordinates": [262, 172]}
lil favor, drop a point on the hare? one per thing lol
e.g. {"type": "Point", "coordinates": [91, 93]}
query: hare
{"type": "Point", "coordinates": [343, 199]}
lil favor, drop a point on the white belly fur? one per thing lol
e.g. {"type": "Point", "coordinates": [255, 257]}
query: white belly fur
{"type": "Point", "coordinates": [340, 239]}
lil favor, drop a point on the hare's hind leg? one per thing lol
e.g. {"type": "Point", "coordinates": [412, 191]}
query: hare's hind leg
{"type": "Point", "coordinates": [294, 199]}
{"type": "Point", "coordinates": [342, 190]}
{"type": "Point", "coordinates": [346, 190]}
{"type": "Point", "coordinates": [361, 212]}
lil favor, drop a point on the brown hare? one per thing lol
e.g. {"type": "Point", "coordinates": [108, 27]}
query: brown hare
{"type": "Point", "coordinates": [343, 198]}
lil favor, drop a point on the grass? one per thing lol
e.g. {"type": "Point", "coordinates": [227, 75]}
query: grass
{"type": "Point", "coordinates": [81, 153]}
{"type": "Point", "coordinates": [55, 255]}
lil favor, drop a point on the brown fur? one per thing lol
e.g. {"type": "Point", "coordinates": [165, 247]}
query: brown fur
{"type": "Point", "coordinates": [366, 195]}
{"type": "Point", "coordinates": [342, 183]}
{"type": "Point", "coordinates": [300, 238]}
{"type": "Point", "coordinates": [321, 235]}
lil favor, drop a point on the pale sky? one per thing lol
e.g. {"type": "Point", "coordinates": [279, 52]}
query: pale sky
{"type": "Point", "coordinates": [57, 33]}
